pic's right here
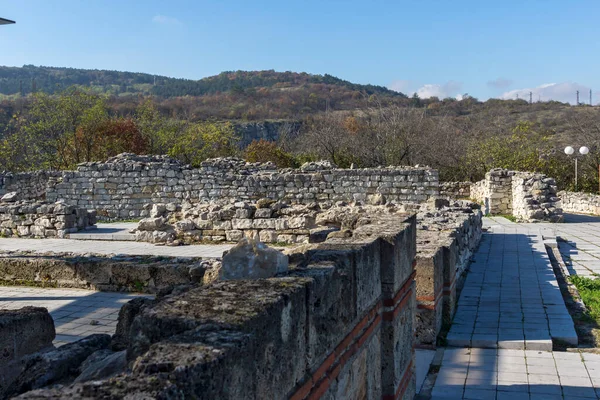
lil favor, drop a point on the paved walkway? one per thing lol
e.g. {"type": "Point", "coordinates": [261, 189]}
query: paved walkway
{"type": "Point", "coordinates": [76, 313]}
{"type": "Point", "coordinates": [509, 311]}
{"type": "Point", "coordinates": [511, 298]}
{"type": "Point", "coordinates": [482, 374]}
{"type": "Point", "coordinates": [109, 247]}
{"type": "Point", "coordinates": [111, 231]}
{"type": "Point", "coordinates": [580, 248]}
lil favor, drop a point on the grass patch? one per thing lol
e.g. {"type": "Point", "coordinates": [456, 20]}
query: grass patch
{"type": "Point", "coordinates": [509, 217]}
{"type": "Point", "coordinates": [589, 290]}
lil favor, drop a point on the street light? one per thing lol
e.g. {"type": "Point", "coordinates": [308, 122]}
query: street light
{"type": "Point", "coordinates": [583, 150]}
{"type": "Point", "coordinates": [4, 21]}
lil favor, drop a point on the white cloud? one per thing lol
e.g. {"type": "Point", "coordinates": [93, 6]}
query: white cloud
{"type": "Point", "coordinates": [564, 92]}
{"type": "Point", "coordinates": [165, 20]}
{"type": "Point", "coordinates": [448, 89]}
{"type": "Point", "coordinates": [500, 83]}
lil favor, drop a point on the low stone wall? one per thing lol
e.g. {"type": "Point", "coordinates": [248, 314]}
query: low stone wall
{"type": "Point", "coordinates": [37, 219]}
{"type": "Point", "coordinates": [267, 221]}
{"type": "Point", "coordinates": [581, 203]}
{"type": "Point", "coordinates": [446, 240]}
{"type": "Point", "coordinates": [528, 196]}
{"type": "Point", "coordinates": [146, 274]}
{"type": "Point", "coordinates": [534, 198]}
{"type": "Point", "coordinates": [120, 187]}
{"type": "Point", "coordinates": [456, 190]}
{"type": "Point", "coordinates": [495, 192]}
{"type": "Point", "coordinates": [28, 185]}
{"type": "Point", "coordinates": [24, 331]}
{"type": "Point", "coordinates": [339, 325]}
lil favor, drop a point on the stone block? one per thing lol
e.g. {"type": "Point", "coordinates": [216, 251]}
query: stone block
{"type": "Point", "coordinates": [234, 235]}
{"type": "Point", "coordinates": [24, 331]}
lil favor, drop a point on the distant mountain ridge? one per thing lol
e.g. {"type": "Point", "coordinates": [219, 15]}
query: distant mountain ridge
{"type": "Point", "coordinates": [30, 78]}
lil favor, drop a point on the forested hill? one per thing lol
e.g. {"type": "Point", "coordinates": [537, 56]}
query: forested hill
{"type": "Point", "coordinates": [30, 78]}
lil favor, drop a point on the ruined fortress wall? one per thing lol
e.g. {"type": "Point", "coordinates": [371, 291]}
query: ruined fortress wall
{"type": "Point", "coordinates": [456, 190]}
{"type": "Point", "coordinates": [528, 196]}
{"type": "Point", "coordinates": [534, 198]}
{"type": "Point", "coordinates": [120, 187]}
{"type": "Point", "coordinates": [583, 203]}
{"type": "Point", "coordinates": [338, 326]}
{"type": "Point", "coordinates": [29, 185]}
{"type": "Point", "coordinates": [442, 257]}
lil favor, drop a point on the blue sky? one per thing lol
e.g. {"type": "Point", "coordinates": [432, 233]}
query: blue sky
{"type": "Point", "coordinates": [445, 48]}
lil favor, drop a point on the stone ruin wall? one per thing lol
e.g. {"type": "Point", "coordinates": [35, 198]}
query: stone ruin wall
{"type": "Point", "coordinates": [339, 323]}
{"type": "Point", "coordinates": [28, 185]}
{"type": "Point", "coordinates": [456, 190]}
{"type": "Point", "coordinates": [120, 187]}
{"type": "Point", "coordinates": [444, 250]}
{"type": "Point", "coordinates": [37, 219]}
{"type": "Point", "coordinates": [534, 198]}
{"type": "Point", "coordinates": [528, 196]}
{"type": "Point", "coordinates": [582, 203]}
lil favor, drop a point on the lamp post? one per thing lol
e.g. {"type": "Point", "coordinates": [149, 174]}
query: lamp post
{"type": "Point", "coordinates": [583, 150]}
{"type": "Point", "coordinates": [4, 21]}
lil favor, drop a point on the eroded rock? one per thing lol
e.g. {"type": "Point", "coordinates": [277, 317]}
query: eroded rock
{"type": "Point", "coordinates": [251, 259]}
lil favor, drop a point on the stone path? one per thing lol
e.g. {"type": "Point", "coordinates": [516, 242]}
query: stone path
{"type": "Point", "coordinates": [511, 298]}
{"type": "Point", "coordinates": [110, 247]}
{"type": "Point", "coordinates": [580, 248]}
{"type": "Point", "coordinates": [517, 374]}
{"type": "Point", "coordinates": [112, 231]}
{"type": "Point", "coordinates": [509, 311]}
{"type": "Point", "coordinates": [76, 313]}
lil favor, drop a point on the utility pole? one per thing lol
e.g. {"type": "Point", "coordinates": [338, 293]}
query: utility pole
{"type": "Point", "coordinates": [577, 97]}
{"type": "Point", "coordinates": [530, 100]}
{"type": "Point", "coordinates": [517, 96]}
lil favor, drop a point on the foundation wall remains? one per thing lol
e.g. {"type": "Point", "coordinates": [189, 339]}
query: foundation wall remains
{"type": "Point", "coordinates": [120, 187]}
{"type": "Point", "coordinates": [146, 274]}
{"type": "Point", "coordinates": [442, 257]}
{"type": "Point", "coordinates": [38, 219]}
{"type": "Point", "coordinates": [528, 196]}
{"type": "Point", "coordinates": [28, 185]}
{"type": "Point", "coordinates": [456, 190]}
{"type": "Point", "coordinates": [339, 325]}
{"type": "Point", "coordinates": [581, 203]}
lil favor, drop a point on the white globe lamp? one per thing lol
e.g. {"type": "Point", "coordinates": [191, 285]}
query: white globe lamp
{"type": "Point", "coordinates": [584, 150]}
{"type": "Point", "coordinates": [569, 150]}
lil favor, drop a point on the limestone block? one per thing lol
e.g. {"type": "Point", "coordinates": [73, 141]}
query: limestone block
{"type": "Point", "coordinates": [241, 223]}
{"type": "Point", "coordinates": [263, 223]}
{"type": "Point", "coordinates": [251, 259]}
{"type": "Point", "coordinates": [234, 235]}
{"type": "Point", "coordinates": [267, 236]}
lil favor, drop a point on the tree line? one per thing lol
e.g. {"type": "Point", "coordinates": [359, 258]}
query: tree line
{"type": "Point", "coordinates": [59, 131]}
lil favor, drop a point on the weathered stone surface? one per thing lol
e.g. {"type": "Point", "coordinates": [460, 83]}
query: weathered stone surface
{"type": "Point", "coordinates": [9, 197]}
{"type": "Point", "coordinates": [103, 366]}
{"type": "Point", "coordinates": [42, 369]}
{"type": "Point", "coordinates": [152, 224]}
{"type": "Point", "coordinates": [251, 259]}
{"type": "Point", "coordinates": [265, 338]}
{"type": "Point", "coordinates": [24, 331]}
{"type": "Point", "coordinates": [39, 219]}
{"type": "Point", "coordinates": [93, 271]}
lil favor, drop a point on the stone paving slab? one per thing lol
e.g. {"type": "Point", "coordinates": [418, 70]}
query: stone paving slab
{"type": "Point", "coordinates": [511, 298]}
{"type": "Point", "coordinates": [111, 247]}
{"type": "Point", "coordinates": [517, 374]}
{"type": "Point", "coordinates": [580, 245]}
{"type": "Point", "coordinates": [117, 231]}
{"type": "Point", "coordinates": [77, 313]}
